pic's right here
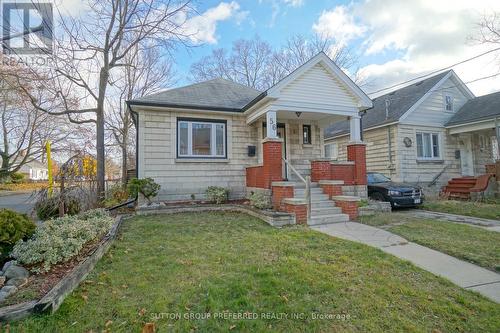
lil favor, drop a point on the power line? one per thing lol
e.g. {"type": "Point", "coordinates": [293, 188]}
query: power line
{"type": "Point", "coordinates": [436, 71]}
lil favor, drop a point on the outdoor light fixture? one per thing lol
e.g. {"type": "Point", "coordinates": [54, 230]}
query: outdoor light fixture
{"type": "Point", "coordinates": [298, 114]}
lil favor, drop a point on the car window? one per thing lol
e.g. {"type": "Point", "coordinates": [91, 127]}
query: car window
{"type": "Point", "coordinates": [374, 178]}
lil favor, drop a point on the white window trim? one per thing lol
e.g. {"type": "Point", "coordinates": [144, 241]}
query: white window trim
{"type": "Point", "coordinates": [433, 158]}
{"type": "Point", "coordinates": [302, 134]}
{"type": "Point", "coordinates": [452, 103]}
{"type": "Point", "coordinates": [213, 139]}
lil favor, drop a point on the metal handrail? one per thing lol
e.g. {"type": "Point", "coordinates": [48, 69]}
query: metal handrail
{"type": "Point", "coordinates": [307, 182]}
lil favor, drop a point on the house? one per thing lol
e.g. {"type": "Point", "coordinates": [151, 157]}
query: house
{"type": "Point", "coordinates": [426, 133]}
{"type": "Point", "coordinates": [35, 170]}
{"type": "Point", "coordinates": [222, 133]}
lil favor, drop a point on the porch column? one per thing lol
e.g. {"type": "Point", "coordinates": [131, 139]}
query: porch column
{"type": "Point", "coordinates": [272, 125]}
{"type": "Point", "coordinates": [355, 128]}
{"type": "Point", "coordinates": [271, 166]}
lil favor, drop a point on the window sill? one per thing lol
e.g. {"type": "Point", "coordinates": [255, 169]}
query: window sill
{"type": "Point", "coordinates": [201, 160]}
{"type": "Point", "coordinates": [307, 145]}
{"type": "Point", "coordinates": [430, 161]}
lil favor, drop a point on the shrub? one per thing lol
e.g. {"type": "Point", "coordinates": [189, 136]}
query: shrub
{"type": "Point", "coordinates": [259, 200]}
{"type": "Point", "coordinates": [59, 240]}
{"type": "Point", "coordinates": [17, 177]}
{"type": "Point", "coordinates": [145, 186]}
{"type": "Point", "coordinates": [363, 203]}
{"type": "Point", "coordinates": [14, 226]}
{"type": "Point", "coordinates": [76, 199]}
{"type": "Point", "coordinates": [217, 194]}
{"type": "Point", "coordinates": [116, 194]}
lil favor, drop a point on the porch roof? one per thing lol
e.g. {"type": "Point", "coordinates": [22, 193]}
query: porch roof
{"type": "Point", "coordinates": [477, 109]}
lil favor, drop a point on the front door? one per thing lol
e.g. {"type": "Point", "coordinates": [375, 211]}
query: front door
{"type": "Point", "coordinates": [281, 131]}
{"type": "Point", "coordinates": [466, 158]}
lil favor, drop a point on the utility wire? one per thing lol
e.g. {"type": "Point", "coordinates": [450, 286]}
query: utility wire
{"type": "Point", "coordinates": [436, 71]}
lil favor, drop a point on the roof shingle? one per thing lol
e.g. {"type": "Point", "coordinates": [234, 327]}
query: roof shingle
{"type": "Point", "coordinates": [479, 108]}
{"type": "Point", "coordinates": [214, 94]}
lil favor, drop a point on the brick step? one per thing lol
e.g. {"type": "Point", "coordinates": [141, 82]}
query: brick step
{"type": "Point", "coordinates": [326, 219]}
{"type": "Point", "coordinates": [462, 181]}
{"type": "Point", "coordinates": [462, 185]}
{"type": "Point", "coordinates": [456, 190]}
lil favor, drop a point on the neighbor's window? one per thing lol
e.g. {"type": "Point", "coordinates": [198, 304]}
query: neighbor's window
{"type": "Point", "coordinates": [306, 134]}
{"type": "Point", "coordinates": [200, 138]}
{"type": "Point", "coordinates": [331, 150]}
{"type": "Point", "coordinates": [428, 145]}
{"type": "Point", "coordinates": [448, 103]}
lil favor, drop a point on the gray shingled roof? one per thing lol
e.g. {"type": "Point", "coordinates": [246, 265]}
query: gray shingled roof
{"type": "Point", "coordinates": [479, 108]}
{"type": "Point", "coordinates": [213, 94]}
{"type": "Point", "coordinates": [401, 100]}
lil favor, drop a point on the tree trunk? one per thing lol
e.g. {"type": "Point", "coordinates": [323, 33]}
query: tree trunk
{"type": "Point", "coordinates": [101, 156]}
{"type": "Point", "coordinates": [124, 161]}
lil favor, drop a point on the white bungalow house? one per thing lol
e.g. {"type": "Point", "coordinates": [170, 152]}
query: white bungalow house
{"type": "Point", "coordinates": [224, 134]}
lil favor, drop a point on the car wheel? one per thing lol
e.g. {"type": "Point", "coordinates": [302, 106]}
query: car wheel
{"type": "Point", "coordinates": [378, 196]}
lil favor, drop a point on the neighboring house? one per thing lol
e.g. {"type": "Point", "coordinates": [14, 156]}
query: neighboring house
{"type": "Point", "coordinates": [35, 170]}
{"type": "Point", "coordinates": [427, 132]}
{"type": "Point", "coordinates": [225, 134]}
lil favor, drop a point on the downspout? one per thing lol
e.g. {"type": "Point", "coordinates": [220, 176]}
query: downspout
{"type": "Point", "coordinates": [135, 120]}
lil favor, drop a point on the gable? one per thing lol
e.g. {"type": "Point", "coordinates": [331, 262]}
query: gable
{"type": "Point", "coordinates": [318, 86]}
{"type": "Point", "coordinates": [432, 110]}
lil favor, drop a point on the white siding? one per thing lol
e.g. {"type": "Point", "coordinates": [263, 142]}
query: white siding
{"type": "Point", "coordinates": [432, 111]}
{"type": "Point", "coordinates": [318, 86]}
{"type": "Point", "coordinates": [410, 169]}
{"type": "Point", "coordinates": [180, 179]}
{"type": "Point", "coordinates": [377, 149]}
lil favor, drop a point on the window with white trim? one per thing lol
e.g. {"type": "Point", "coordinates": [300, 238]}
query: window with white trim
{"type": "Point", "coordinates": [201, 138]}
{"type": "Point", "coordinates": [331, 151]}
{"type": "Point", "coordinates": [428, 146]}
{"type": "Point", "coordinates": [448, 103]}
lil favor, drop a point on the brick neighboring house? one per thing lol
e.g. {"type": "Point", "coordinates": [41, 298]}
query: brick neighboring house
{"type": "Point", "coordinates": [427, 133]}
{"type": "Point", "coordinates": [222, 133]}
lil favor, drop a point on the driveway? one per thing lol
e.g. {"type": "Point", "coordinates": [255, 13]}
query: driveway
{"type": "Point", "coordinates": [20, 202]}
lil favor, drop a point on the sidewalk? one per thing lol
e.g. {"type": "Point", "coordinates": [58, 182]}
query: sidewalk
{"type": "Point", "coordinates": [491, 225]}
{"type": "Point", "coordinates": [463, 274]}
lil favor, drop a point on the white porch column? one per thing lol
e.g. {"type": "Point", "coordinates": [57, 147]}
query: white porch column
{"type": "Point", "coordinates": [272, 125]}
{"type": "Point", "coordinates": [355, 128]}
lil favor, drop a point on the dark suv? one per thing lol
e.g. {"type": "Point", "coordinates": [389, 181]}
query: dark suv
{"type": "Point", "coordinates": [399, 195]}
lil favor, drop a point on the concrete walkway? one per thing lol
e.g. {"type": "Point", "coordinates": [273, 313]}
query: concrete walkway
{"type": "Point", "coordinates": [463, 274]}
{"type": "Point", "coordinates": [486, 224]}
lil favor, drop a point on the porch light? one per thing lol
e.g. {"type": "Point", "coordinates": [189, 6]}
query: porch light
{"type": "Point", "coordinates": [298, 114]}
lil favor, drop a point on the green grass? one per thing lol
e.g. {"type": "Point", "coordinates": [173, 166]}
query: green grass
{"type": "Point", "coordinates": [487, 210]}
{"type": "Point", "coordinates": [473, 244]}
{"type": "Point", "coordinates": [232, 263]}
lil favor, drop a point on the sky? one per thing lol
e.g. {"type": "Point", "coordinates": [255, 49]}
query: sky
{"type": "Point", "coordinates": [394, 40]}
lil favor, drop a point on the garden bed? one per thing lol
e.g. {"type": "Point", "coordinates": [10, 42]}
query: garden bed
{"type": "Point", "coordinates": [46, 291]}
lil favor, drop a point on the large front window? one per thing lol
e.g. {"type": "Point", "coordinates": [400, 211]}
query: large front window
{"type": "Point", "coordinates": [428, 146]}
{"type": "Point", "coordinates": [200, 138]}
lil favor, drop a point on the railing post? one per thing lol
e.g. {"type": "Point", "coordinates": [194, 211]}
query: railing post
{"type": "Point", "coordinates": [308, 197]}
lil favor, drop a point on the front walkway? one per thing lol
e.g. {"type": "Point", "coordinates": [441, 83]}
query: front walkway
{"type": "Point", "coordinates": [463, 274]}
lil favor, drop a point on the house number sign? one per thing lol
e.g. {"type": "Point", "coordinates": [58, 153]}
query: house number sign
{"type": "Point", "coordinates": [271, 125]}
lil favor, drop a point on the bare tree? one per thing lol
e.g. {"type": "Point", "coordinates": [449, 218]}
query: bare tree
{"type": "Point", "coordinates": [95, 44]}
{"type": "Point", "coordinates": [146, 74]}
{"type": "Point", "coordinates": [488, 29]}
{"type": "Point", "coordinates": [255, 64]}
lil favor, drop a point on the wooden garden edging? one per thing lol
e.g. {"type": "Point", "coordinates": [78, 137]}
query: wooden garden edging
{"type": "Point", "coordinates": [54, 298]}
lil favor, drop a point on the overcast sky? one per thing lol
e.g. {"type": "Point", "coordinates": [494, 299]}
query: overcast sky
{"type": "Point", "coordinates": [395, 40]}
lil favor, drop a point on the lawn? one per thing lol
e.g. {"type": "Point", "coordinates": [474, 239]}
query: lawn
{"type": "Point", "coordinates": [230, 265]}
{"type": "Point", "coordinates": [486, 210]}
{"type": "Point", "coordinates": [473, 244]}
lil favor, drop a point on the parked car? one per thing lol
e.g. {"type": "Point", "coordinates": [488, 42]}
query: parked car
{"type": "Point", "coordinates": [399, 195]}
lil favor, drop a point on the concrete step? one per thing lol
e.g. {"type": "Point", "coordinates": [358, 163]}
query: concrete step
{"type": "Point", "coordinates": [301, 185]}
{"type": "Point", "coordinates": [322, 204]}
{"type": "Point", "coordinates": [325, 211]}
{"type": "Point", "coordinates": [326, 219]}
{"type": "Point", "coordinates": [302, 191]}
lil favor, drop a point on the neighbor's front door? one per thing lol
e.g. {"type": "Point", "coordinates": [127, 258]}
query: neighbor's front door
{"type": "Point", "coordinates": [466, 158]}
